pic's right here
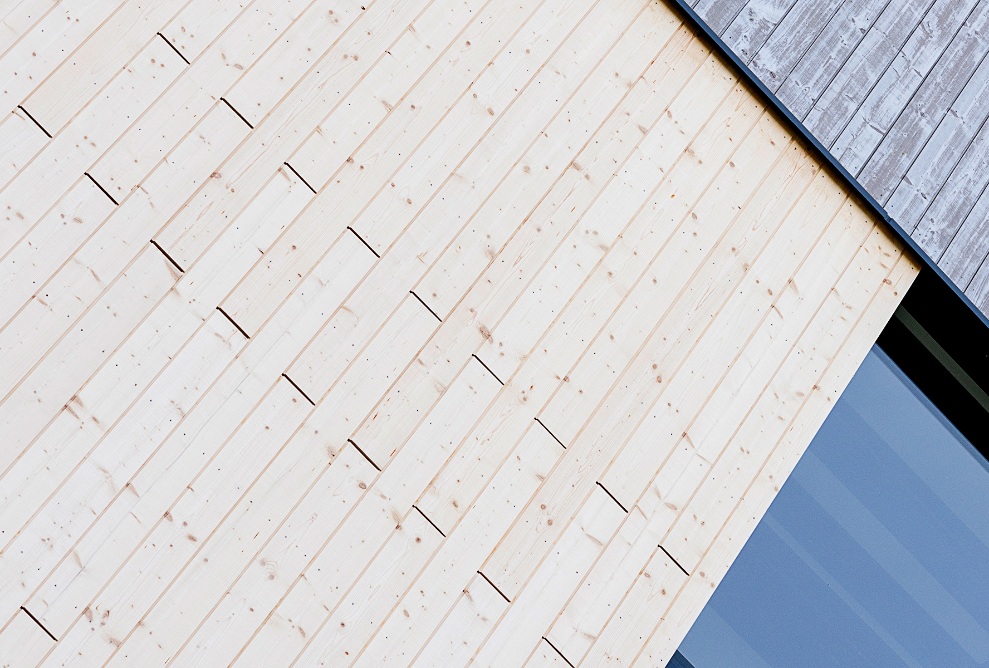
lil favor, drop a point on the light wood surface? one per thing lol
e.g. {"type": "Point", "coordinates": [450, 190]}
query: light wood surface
{"type": "Point", "coordinates": [385, 333]}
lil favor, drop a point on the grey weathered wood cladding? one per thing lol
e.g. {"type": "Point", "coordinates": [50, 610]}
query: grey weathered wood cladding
{"type": "Point", "coordinates": [898, 90]}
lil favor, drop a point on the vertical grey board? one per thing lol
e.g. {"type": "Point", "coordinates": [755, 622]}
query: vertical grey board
{"type": "Point", "coordinates": [974, 244]}
{"type": "Point", "coordinates": [895, 89]}
{"type": "Point", "coordinates": [939, 231]}
{"type": "Point", "coordinates": [918, 121]}
{"type": "Point", "coordinates": [785, 46]}
{"type": "Point", "coordinates": [964, 259]}
{"type": "Point", "coordinates": [941, 153]}
{"type": "Point", "coordinates": [801, 87]}
{"type": "Point", "coordinates": [719, 13]}
{"type": "Point", "coordinates": [899, 91]}
{"type": "Point", "coordinates": [754, 24]}
{"type": "Point", "coordinates": [863, 69]}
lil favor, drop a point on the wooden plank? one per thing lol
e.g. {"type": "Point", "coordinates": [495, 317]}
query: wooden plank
{"type": "Point", "coordinates": [754, 25]}
{"type": "Point", "coordinates": [754, 502]}
{"type": "Point", "coordinates": [127, 32]}
{"type": "Point", "coordinates": [373, 596]}
{"type": "Point", "coordinates": [596, 46]}
{"type": "Point", "coordinates": [586, 613]}
{"type": "Point", "coordinates": [699, 518]}
{"type": "Point", "coordinates": [314, 369]}
{"type": "Point", "coordinates": [820, 63]}
{"type": "Point", "coordinates": [645, 287]}
{"type": "Point", "coordinates": [269, 576]}
{"type": "Point", "coordinates": [719, 14]}
{"type": "Point", "coordinates": [318, 30]}
{"type": "Point", "coordinates": [978, 289]}
{"type": "Point", "coordinates": [593, 217]}
{"type": "Point", "coordinates": [317, 365]}
{"type": "Point", "coordinates": [111, 390]}
{"type": "Point", "coordinates": [631, 380]}
{"type": "Point", "coordinates": [23, 642]}
{"type": "Point", "coordinates": [471, 620]}
{"type": "Point", "coordinates": [18, 17]}
{"type": "Point", "coordinates": [50, 243]}
{"type": "Point", "coordinates": [919, 120]}
{"type": "Point", "coordinates": [61, 485]}
{"type": "Point", "coordinates": [192, 31]}
{"type": "Point", "coordinates": [176, 536]}
{"type": "Point", "coordinates": [940, 154]}
{"type": "Point", "coordinates": [545, 656]}
{"type": "Point", "coordinates": [869, 62]}
{"type": "Point", "coordinates": [162, 631]}
{"type": "Point", "coordinates": [43, 384]}
{"type": "Point", "coordinates": [800, 30]}
{"type": "Point", "coordinates": [605, 102]}
{"type": "Point", "coordinates": [667, 170]}
{"type": "Point", "coordinates": [944, 221]}
{"type": "Point", "coordinates": [642, 609]}
{"type": "Point", "coordinates": [35, 55]}
{"type": "Point", "coordinates": [325, 87]}
{"type": "Point", "coordinates": [101, 266]}
{"type": "Point", "coordinates": [723, 393]}
{"type": "Point", "coordinates": [119, 238]}
{"type": "Point", "coordinates": [301, 463]}
{"type": "Point", "coordinates": [436, 590]}
{"type": "Point", "coordinates": [582, 621]}
{"type": "Point", "coordinates": [892, 92]}
{"type": "Point", "coordinates": [464, 477]}
{"type": "Point", "coordinates": [401, 120]}
{"type": "Point", "coordinates": [468, 328]}
{"type": "Point", "coordinates": [20, 140]}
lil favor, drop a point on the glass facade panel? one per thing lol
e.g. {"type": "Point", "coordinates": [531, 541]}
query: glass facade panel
{"type": "Point", "coordinates": [874, 553]}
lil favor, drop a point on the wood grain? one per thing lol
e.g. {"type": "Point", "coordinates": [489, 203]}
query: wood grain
{"type": "Point", "coordinates": [374, 332]}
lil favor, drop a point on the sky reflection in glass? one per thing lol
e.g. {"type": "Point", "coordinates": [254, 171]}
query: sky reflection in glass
{"type": "Point", "coordinates": [875, 552]}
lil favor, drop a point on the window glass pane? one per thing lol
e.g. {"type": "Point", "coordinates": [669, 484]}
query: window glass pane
{"type": "Point", "coordinates": [874, 553]}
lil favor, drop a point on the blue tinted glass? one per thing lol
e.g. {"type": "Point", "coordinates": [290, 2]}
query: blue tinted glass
{"type": "Point", "coordinates": [875, 552]}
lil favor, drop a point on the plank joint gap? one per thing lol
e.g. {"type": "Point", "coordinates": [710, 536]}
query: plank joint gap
{"type": "Point", "coordinates": [613, 498]}
{"type": "Point", "coordinates": [301, 391]}
{"type": "Point", "coordinates": [433, 524]}
{"type": "Point", "coordinates": [47, 134]}
{"type": "Point", "coordinates": [186, 60]}
{"type": "Point", "coordinates": [233, 322]}
{"type": "Point", "coordinates": [38, 622]}
{"type": "Point", "coordinates": [426, 305]}
{"type": "Point", "coordinates": [364, 242]}
{"type": "Point", "coordinates": [167, 256]}
{"type": "Point", "coordinates": [494, 586]}
{"type": "Point", "coordinates": [551, 434]}
{"type": "Point", "coordinates": [674, 561]}
{"type": "Point", "coordinates": [489, 370]}
{"type": "Point", "coordinates": [301, 178]}
{"type": "Point", "coordinates": [239, 115]}
{"type": "Point", "coordinates": [558, 652]}
{"type": "Point", "coordinates": [102, 189]}
{"type": "Point", "coordinates": [370, 461]}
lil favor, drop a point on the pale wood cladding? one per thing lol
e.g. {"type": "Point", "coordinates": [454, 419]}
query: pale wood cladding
{"type": "Point", "coordinates": [897, 90]}
{"type": "Point", "coordinates": [468, 330]}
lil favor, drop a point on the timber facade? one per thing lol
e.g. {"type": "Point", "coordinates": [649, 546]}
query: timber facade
{"type": "Point", "coordinates": [434, 331]}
